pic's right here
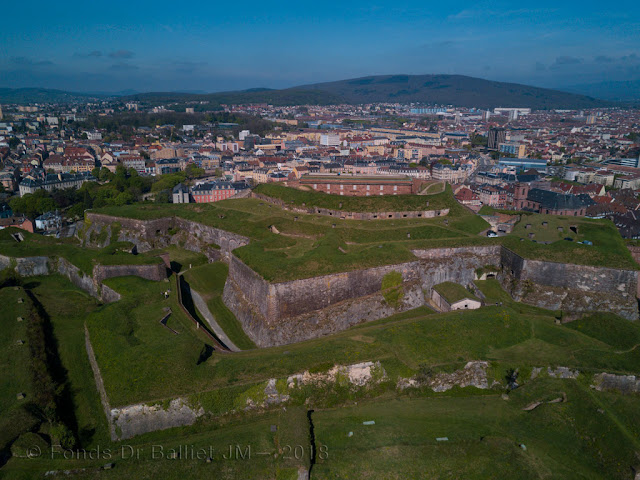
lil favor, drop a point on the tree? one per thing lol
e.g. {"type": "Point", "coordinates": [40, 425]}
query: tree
{"type": "Point", "coordinates": [193, 171]}
{"type": "Point", "coordinates": [14, 142]}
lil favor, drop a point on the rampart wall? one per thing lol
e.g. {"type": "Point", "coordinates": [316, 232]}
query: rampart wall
{"type": "Point", "coordinates": [92, 284]}
{"type": "Point", "coordinates": [352, 215]}
{"type": "Point", "coordinates": [159, 233]}
{"type": "Point", "coordinates": [568, 287]}
{"type": "Point", "coordinates": [280, 313]}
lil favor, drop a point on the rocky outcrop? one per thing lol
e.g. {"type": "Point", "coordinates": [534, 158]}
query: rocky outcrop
{"type": "Point", "coordinates": [473, 374]}
{"type": "Point", "coordinates": [625, 384]}
{"type": "Point", "coordinates": [138, 419]}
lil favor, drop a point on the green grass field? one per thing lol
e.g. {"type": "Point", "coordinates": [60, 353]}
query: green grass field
{"type": "Point", "coordinates": [141, 361]}
{"type": "Point", "coordinates": [608, 249]}
{"type": "Point", "coordinates": [512, 334]}
{"type": "Point", "coordinates": [310, 245]}
{"type": "Point", "coordinates": [591, 435]}
{"type": "Point", "coordinates": [15, 375]}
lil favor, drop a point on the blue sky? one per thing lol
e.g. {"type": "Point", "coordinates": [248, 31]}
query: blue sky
{"type": "Point", "coordinates": [216, 46]}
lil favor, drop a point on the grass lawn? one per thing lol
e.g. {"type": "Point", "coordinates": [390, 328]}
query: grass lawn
{"type": "Point", "coordinates": [140, 358]}
{"type": "Point", "coordinates": [141, 361]}
{"type": "Point", "coordinates": [484, 437]}
{"type": "Point", "coordinates": [608, 249]}
{"type": "Point", "coordinates": [208, 280]}
{"type": "Point", "coordinates": [151, 364]}
{"type": "Point", "coordinates": [68, 307]}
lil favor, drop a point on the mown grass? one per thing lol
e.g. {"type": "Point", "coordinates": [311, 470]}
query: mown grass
{"type": "Point", "coordinates": [208, 280]}
{"type": "Point", "coordinates": [511, 333]}
{"type": "Point", "coordinates": [608, 249]}
{"type": "Point", "coordinates": [484, 437]}
{"type": "Point", "coordinates": [142, 362]}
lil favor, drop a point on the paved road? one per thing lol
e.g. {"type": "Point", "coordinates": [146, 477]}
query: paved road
{"type": "Point", "coordinates": [201, 305]}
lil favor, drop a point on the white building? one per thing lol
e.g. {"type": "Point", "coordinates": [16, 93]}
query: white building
{"type": "Point", "coordinates": [329, 140]}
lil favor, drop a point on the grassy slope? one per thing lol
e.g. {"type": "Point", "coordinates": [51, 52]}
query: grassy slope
{"type": "Point", "coordinates": [384, 203]}
{"type": "Point", "coordinates": [513, 334]}
{"type": "Point", "coordinates": [318, 245]}
{"type": "Point", "coordinates": [15, 375]}
{"type": "Point", "coordinates": [68, 307]}
{"type": "Point", "coordinates": [208, 280]}
{"type": "Point", "coordinates": [150, 359]}
{"type": "Point", "coordinates": [139, 362]}
{"type": "Point", "coordinates": [561, 440]}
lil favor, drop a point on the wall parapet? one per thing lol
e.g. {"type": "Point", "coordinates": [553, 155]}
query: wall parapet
{"type": "Point", "coordinates": [350, 215]}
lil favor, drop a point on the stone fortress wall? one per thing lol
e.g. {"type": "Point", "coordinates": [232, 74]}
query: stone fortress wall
{"type": "Point", "coordinates": [351, 215]}
{"type": "Point", "coordinates": [286, 312]}
{"type": "Point", "coordinates": [92, 284]}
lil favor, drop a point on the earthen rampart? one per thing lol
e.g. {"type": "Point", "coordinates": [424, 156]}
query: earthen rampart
{"type": "Point", "coordinates": [352, 215]}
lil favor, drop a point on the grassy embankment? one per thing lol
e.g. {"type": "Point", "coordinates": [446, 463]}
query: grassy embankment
{"type": "Point", "coordinates": [143, 361]}
{"type": "Point", "coordinates": [310, 245]}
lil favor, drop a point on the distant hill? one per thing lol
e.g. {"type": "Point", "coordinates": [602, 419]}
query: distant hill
{"type": "Point", "coordinates": [456, 90]}
{"type": "Point", "coordinates": [44, 95]}
{"type": "Point", "coordinates": [623, 91]}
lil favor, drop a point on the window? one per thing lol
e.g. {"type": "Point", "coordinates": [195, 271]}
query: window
{"type": "Point", "coordinates": [354, 187]}
{"type": "Point", "coordinates": [328, 186]}
{"type": "Point", "coordinates": [341, 187]}
{"type": "Point", "coordinates": [368, 187]}
{"type": "Point", "coordinates": [381, 187]}
{"type": "Point", "coordinates": [395, 188]}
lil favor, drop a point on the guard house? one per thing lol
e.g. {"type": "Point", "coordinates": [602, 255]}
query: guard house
{"type": "Point", "coordinates": [450, 296]}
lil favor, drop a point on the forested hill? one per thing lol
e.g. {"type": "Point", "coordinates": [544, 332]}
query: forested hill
{"type": "Point", "coordinates": [456, 90]}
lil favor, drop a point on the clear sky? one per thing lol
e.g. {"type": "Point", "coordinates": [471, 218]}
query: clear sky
{"type": "Point", "coordinates": [229, 45]}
